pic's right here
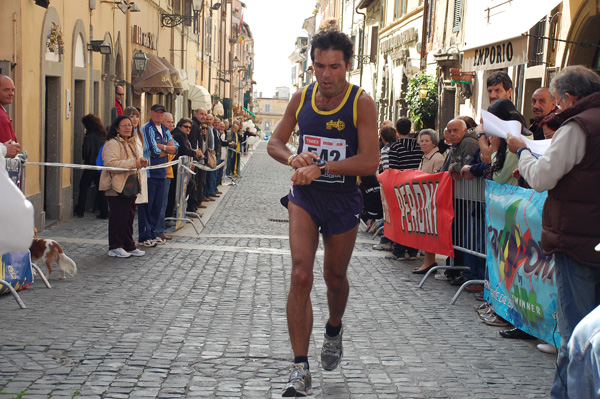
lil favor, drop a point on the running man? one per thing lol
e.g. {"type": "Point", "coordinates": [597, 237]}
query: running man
{"type": "Point", "coordinates": [338, 141]}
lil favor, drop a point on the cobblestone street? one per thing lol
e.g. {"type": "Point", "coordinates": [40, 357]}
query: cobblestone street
{"type": "Point", "coordinates": [204, 317]}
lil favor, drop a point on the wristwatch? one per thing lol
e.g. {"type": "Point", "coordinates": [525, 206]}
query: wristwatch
{"type": "Point", "coordinates": [520, 150]}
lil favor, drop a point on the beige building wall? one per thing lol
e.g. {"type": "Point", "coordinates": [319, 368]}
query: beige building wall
{"type": "Point", "coordinates": [268, 120]}
{"type": "Point", "coordinates": [55, 88]}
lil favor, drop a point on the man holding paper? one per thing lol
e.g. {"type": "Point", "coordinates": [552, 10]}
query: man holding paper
{"type": "Point", "coordinates": [570, 170]}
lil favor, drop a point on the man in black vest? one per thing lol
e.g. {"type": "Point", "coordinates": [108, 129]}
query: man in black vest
{"type": "Point", "coordinates": [570, 171]}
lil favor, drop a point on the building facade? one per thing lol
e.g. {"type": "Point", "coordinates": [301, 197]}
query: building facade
{"type": "Point", "coordinates": [66, 58]}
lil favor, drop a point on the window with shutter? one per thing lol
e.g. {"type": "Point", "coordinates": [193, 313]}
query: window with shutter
{"type": "Point", "coordinates": [374, 42]}
{"type": "Point", "coordinates": [456, 20]}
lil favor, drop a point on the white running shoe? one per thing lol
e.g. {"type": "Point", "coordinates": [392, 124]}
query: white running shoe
{"type": "Point", "coordinates": [300, 382]}
{"type": "Point", "coordinates": [136, 252]}
{"type": "Point", "coordinates": [119, 253]}
{"type": "Point", "coordinates": [332, 351]}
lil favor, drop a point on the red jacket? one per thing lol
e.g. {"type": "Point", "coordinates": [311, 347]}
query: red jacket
{"type": "Point", "coordinates": [6, 128]}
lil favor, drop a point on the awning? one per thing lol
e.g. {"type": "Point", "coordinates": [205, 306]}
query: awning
{"type": "Point", "coordinates": [199, 96]}
{"type": "Point", "coordinates": [175, 77]}
{"type": "Point", "coordinates": [155, 79]}
{"type": "Point", "coordinates": [494, 34]}
{"type": "Point", "coordinates": [246, 109]}
{"type": "Point", "coordinates": [364, 4]}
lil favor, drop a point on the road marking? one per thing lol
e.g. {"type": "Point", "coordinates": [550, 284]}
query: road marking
{"type": "Point", "coordinates": [225, 248]}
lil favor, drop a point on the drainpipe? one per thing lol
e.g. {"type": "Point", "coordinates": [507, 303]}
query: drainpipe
{"type": "Point", "coordinates": [424, 35]}
{"type": "Point", "coordinates": [363, 42]}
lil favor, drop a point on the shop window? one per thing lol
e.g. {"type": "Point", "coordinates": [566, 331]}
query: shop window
{"type": "Point", "coordinates": [456, 19]}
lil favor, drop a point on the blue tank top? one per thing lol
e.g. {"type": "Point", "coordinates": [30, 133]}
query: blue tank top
{"type": "Point", "coordinates": [332, 135]}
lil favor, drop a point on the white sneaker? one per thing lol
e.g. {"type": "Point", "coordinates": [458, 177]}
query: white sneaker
{"type": "Point", "coordinates": [119, 253]}
{"type": "Point", "coordinates": [547, 348]}
{"type": "Point", "coordinates": [136, 252]}
{"type": "Point", "coordinates": [383, 247]}
{"type": "Point", "coordinates": [160, 241]}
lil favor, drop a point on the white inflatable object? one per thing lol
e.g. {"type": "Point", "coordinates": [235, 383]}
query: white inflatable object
{"type": "Point", "coordinates": [251, 140]}
{"type": "Point", "coordinates": [16, 215]}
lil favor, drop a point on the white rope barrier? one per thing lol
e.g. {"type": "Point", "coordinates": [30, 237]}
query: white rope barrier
{"type": "Point", "coordinates": [94, 167]}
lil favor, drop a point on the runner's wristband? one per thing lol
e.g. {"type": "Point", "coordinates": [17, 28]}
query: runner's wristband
{"type": "Point", "coordinates": [520, 150]}
{"type": "Point", "coordinates": [291, 158]}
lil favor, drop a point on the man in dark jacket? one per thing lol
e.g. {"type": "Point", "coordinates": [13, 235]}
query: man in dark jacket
{"type": "Point", "coordinates": [196, 191]}
{"type": "Point", "coordinates": [570, 170]}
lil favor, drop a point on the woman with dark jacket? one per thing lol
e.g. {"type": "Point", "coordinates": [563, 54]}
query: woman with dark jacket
{"type": "Point", "coordinates": [93, 140]}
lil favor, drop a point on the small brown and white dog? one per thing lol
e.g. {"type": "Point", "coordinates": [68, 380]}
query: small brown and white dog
{"type": "Point", "coordinates": [49, 251]}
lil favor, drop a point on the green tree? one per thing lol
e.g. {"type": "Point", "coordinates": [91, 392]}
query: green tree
{"type": "Point", "coordinates": [422, 110]}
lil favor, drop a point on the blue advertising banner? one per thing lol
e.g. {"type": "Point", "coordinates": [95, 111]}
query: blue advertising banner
{"type": "Point", "coordinates": [16, 270]}
{"type": "Point", "coordinates": [521, 278]}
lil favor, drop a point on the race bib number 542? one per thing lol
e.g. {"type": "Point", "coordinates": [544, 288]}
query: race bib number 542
{"type": "Point", "coordinates": [329, 150]}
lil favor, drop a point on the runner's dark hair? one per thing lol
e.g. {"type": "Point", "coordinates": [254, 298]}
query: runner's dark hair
{"type": "Point", "coordinates": [332, 40]}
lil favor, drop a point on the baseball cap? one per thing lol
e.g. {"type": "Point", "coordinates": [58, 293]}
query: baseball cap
{"type": "Point", "coordinates": [158, 107]}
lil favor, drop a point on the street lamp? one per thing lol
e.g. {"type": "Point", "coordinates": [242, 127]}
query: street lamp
{"type": "Point", "coordinates": [100, 46]}
{"type": "Point", "coordinates": [139, 62]}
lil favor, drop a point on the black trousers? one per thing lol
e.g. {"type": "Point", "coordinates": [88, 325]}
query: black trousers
{"type": "Point", "coordinates": [87, 178]}
{"type": "Point", "coordinates": [120, 223]}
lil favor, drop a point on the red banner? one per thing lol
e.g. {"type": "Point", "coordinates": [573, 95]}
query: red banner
{"type": "Point", "coordinates": [418, 209]}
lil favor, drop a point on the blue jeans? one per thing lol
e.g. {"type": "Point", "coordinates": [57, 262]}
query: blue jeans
{"type": "Point", "coordinates": [583, 379]}
{"type": "Point", "coordinates": [578, 293]}
{"type": "Point", "coordinates": [148, 213]}
{"type": "Point", "coordinates": [210, 187]}
{"type": "Point", "coordinates": [160, 223]}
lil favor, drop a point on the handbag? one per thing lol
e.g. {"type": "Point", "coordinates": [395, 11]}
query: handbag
{"type": "Point", "coordinates": [211, 158]}
{"type": "Point", "coordinates": [132, 187]}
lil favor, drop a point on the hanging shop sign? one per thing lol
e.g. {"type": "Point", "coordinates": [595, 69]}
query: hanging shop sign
{"type": "Point", "coordinates": [498, 55]}
{"type": "Point", "coordinates": [396, 46]}
{"type": "Point", "coordinates": [146, 39]}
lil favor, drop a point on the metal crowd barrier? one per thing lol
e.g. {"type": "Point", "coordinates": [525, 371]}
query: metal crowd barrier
{"type": "Point", "coordinates": [468, 227]}
{"type": "Point", "coordinates": [184, 173]}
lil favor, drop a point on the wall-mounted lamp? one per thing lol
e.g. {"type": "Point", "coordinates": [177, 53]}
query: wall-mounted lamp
{"type": "Point", "coordinates": [172, 20]}
{"type": "Point", "coordinates": [99, 46]}
{"type": "Point", "coordinates": [124, 5]}
{"type": "Point", "coordinates": [423, 90]}
{"type": "Point", "coordinates": [139, 62]}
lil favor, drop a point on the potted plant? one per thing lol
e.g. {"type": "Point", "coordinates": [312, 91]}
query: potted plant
{"type": "Point", "coordinates": [422, 100]}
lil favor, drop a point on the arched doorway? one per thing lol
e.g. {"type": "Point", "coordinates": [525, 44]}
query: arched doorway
{"type": "Point", "coordinates": [51, 136]}
{"type": "Point", "coordinates": [78, 102]}
{"type": "Point", "coordinates": [585, 28]}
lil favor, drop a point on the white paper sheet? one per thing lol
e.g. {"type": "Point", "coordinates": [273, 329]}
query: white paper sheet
{"type": "Point", "coordinates": [494, 126]}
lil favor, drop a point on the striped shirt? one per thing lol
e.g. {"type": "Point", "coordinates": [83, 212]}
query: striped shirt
{"type": "Point", "coordinates": [405, 154]}
{"type": "Point", "coordinates": [384, 155]}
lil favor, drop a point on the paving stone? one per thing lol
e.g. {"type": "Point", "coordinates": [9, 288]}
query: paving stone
{"type": "Point", "coordinates": [204, 317]}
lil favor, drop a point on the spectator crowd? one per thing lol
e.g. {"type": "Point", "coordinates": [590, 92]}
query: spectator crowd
{"type": "Point", "coordinates": [568, 113]}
